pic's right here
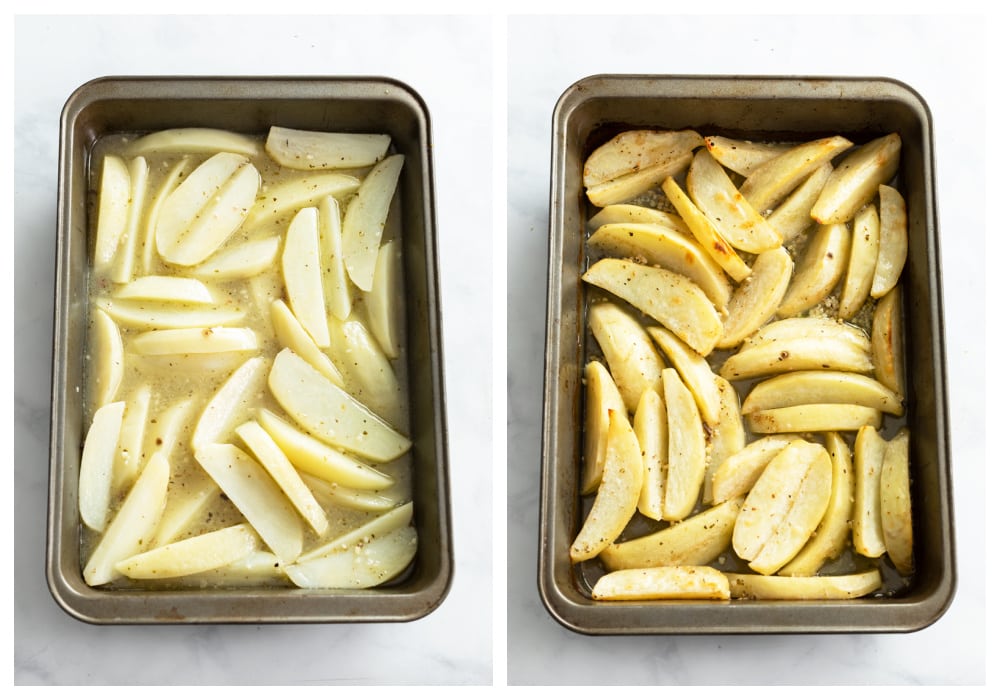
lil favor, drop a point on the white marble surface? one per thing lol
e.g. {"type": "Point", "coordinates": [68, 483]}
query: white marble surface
{"type": "Point", "coordinates": [943, 59]}
{"type": "Point", "coordinates": [447, 60]}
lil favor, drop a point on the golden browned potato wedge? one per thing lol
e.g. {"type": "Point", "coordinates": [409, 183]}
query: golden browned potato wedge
{"type": "Point", "coordinates": [631, 356]}
{"type": "Point", "coordinates": [743, 156]}
{"type": "Point", "coordinates": [814, 418]}
{"type": "Point", "coordinates": [705, 232]}
{"type": "Point", "coordinates": [797, 353]}
{"type": "Point", "coordinates": [769, 183]}
{"type": "Point", "coordinates": [831, 537]}
{"type": "Point", "coordinates": [861, 265]}
{"type": "Point", "coordinates": [821, 386]}
{"type": "Point", "coordinates": [855, 180]}
{"type": "Point", "coordinates": [670, 582]}
{"type": "Point", "coordinates": [791, 218]}
{"type": "Point", "coordinates": [739, 472]}
{"type": "Point", "coordinates": [686, 448]}
{"type": "Point", "coordinates": [671, 299]}
{"type": "Point", "coordinates": [636, 214]}
{"type": "Point", "coordinates": [724, 439]}
{"type": "Point", "coordinates": [650, 425]}
{"type": "Point", "coordinates": [869, 453]}
{"type": "Point", "coordinates": [818, 272]}
{"type": "Point", "coordinates": [627, 187]}
{"type": "Point", "coordinates": [738, 221]}
{"type": "Point", "coordinates": [664, 247]}
{"type": "Point", "coordinates": [693, 541]}
{"type": "Point", "coordinates": [897, 511]}
{"type": "Point", "coordinates": [759, 587]}
{"type": "Point", "coordinates": [758, 296]}
{"type": "Point", "coordinates": [694, 370]}
{"type": "Point", "coordinates": [618, 493]}
{"type": "Point", "coordinates": [892, 241]}
{"type": "Point", "coordinates": [602, 396]}
{"type": "Point", "coordinates": [635, 151]}
{"type": "Point", "coordinates": [887, 341]}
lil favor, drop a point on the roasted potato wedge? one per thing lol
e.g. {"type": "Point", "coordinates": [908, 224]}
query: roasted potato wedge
{"type": "Point", "coordinates": [686, 449]}
{"type": "Point", "coordinates": [818, 271]}
{"type": "Point", "coordinates": [694, 370]}
{"type": "Point", "coordinates": [635, 151]}
{"type": "Point", "coordinates": [869, 454]}
{"type": "Point", "coordinates": [844, 587]}
{"type": "Point", "coordinates": [861, 264]}
{"type": "Point", "coordinates": [629, 351]}
{"type": "Point", "coordinates": [814, 418]}
{"type": "Point", "coordinates": [770, 182]}
{"type": "Point", "coordinates": [650, 425]}
{"type": "Point", "coordinates": [743, 156]}
{"type": "Point", "coordinates": [821, 386]}
{"type": "Point", "coordinates": [887, 341]}
{"type": "Point", "coordinates": [892, 241]}
{"type": "Point", "coordinates": [896, 505]}
{"type": "Point", "coordinates": [792, 217]}
{"type": "Point", "coordinates": [758, 297]}
{"type": "Point", "coordinates": [602, 396]}
{"type": "Point", "coordinates": [669, 582]}
{"type": "Point", "coordinates": [856, 179]}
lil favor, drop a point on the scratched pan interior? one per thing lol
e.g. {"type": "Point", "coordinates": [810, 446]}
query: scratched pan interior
{"type": "Point", "coordinates": [592, 111]}
{"type": "Point", "coordinates": [251, 105]}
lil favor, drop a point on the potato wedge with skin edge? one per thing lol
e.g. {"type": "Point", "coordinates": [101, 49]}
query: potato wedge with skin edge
{"type": "Point", "coordinates": [758, 296]}
{"type": "Point", "coordinates": [97, 465]}
{"type": "Point", "coordinates": [856, 178]}
{"type": "Point", "coordinates": [831, 538]}
{"type": "Point", "coordinates": [706, 232]}
{"type": "Point", "coordinates": [664, 247]}
{"type": "Point", "coordinates": [364, 221]}
{"type": "Point", "coordinates": [792, 218]}
{"type": "Point", "coordinates": [773, 180]}
{"type": "Point", "coordinates": [892, 241]}
{"type": "Point", "coordinates": [819, 271]}
{"type": "Point", "coordinates": [240, 262]}
{"type": "Point", "coordinates": [249, 488]}
{"type": "Point", "coordinates": [816, 327]}
{"type": "Point", "coordinates": [636, 214]}
{"type": "Point", "coordinates": [162, 316]}
{"type": "Point", "coordinates": [814, 418]}
{"type": "Point", "coordinates": [743, 156]}
{"type": "Point", "coordinates": [821, 386]}
{"type": "Point", "coordinates": [132, 525]}
{"type": "Point", "coordinates": [275, 203]}
{"type": "Point", "coordinates": [336, 285]}
{"type": "Point", "coordinates": [663, 583]}
{"type": "Point", "coordinates": [725, 439]}
{"type": "Point", "coordinates": [300, 149]}
{"type": "Point", "coordinates": [195, 140]}
{"type": "Point", "coordinates": [355, 499]}
{"type": "Point", "coordinates": [193, 555]}
{"type": "Point", "coordinates": [650, 426]}
{"type": "Point", "coordinates": [109, 351]}
{"type": "Point", "coordinates": [617, 495]}
{"type": "Point", "coordinates": [176, 174]}
{"type": "Point", "coordinates": [301, 270]}
{"type": "Point", "coordinates": [194, 341]}
{"type": "Point", "coordinates": [166, 288]}
{"type": "Point", "coordinates": [291, 334]}
{"type": "Point", "coordinates": [628, 350]}
{"type": "Point", "coordinates": [794, 354]}
{"type": "Point", "coordinates": [861, 264]}
{"type": "Point", "coordinates": [113, 206]}
{"type": "Point", "coordinates": [232, 404]}
{"type": "Point", "coordinates": [694, 370]}
{"type": "Point", "coordinates": [371, 563]}
{"type": "Point", "coordinates": [629, 186]}
{"type": "Point", "coordinates": [386, 301]}
{"type": "Point", "coordinates": [896, 505]}
{"type": "Point", "coordinates": [635, 150]}
{"type": "Point", "coordinates": [330, 414]}
{"type": "Point", "coordinates": [132, 437]}
{"type": "Point", "coordinates": [887, 341]}
{"type": "Point", "coordinates": [759, 587]}
{"type": "Point", "coordinates": [737, 220]}
{"type": "Point", "coordinates": [866, 525]}
{"type": "Point", "coordinates": [674, 301]}
{"type": "Point", "coordinates": [686, 449]}
{"type": "Point", "coordinates": [694, 541]}
{"type": "Point", "coordinates": [125, 257]}
{"type": "Point", "coordinates": [737, 474]}
{"type": "Point", "coordinates": [602, 395]}
{"type": "Point", "coordinates": [384, 524]}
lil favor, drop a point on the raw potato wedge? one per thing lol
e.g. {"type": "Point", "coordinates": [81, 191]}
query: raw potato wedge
{"type": "Point", "coordinates": [97, 465]}
{"type": "Point", "coordinates": [670, 582]}
{"type": "Point", "coordinates": [364, 221]}
{"type": "Point", "coordinates": [109, 353]}
{"type": "Point", "coordinates": [291, 334]}
{"type": "Point", "coordinates": [193, 341]}
{"type": "Point", "coordinates": [132, 438]}
{"type": "Point", "coordinates": [378, 527]}
{"type": "Point", "coordinates": [705, 232]}
{"type": "Point", "coordinates": [336, 285]}
{"type": "Point", "coordinates": [232, 404]}
{"type": "Point", "coordinates": [693, 541]}
{"type": "Point", "coordinates": [249, 488]}
{"type": "Point", "coordinates": [134, 313]}
{"type": "Point", "coordinates": [650, 425]}
{"type": "Point", "coordinates": [674, 301]}
{"type": "Point", "coordinates": [133, 524]}
{"type": "Point", "coordinates": [758, 587]}
{"type": "Point", "coordinates": [869, 452]}
{"type": "Point", "coordinates": [275, 203]}
{"type": "Point", "coordinates": [814, 418]}
{"type": "Point", "coordinates": [629, 186]}
{"type": "Point", "coordinates": [634, 151]}
{"type": "Point", "coordinates": [386, 301]}
{"type": "Point", "coordinates": [320, 150]}
{"type": "Point", "coordinates": [206, 208]}
{"type": "Point", "coordinates": [739, 472]}
{"type": "Point", "coordinates": [772, 181]}
{"type": "Point", "coordinates": [686, 449]}
{"type": "Point", "coordinates": [743, 156]}
{"type": "Point", "coordinates": [617, 495]}
{"type": "Point", "coordinates": [664, 247]}
{"type": "Point", "coordinates": [629, 351]}
{"type": "Point", "coordinates": [892, 241]}
{"type": "Point", "coordinates": [861, 265]}
{"type": "Point", "coordinates": [715, 194]}
{"type": "Point", "coordinates": [797, 353]}
{"type": "Point", "coordinates": [896, 506]}
{"type": "Point", "coordinates": [183, 508]}
{"type": "Point", "coordinates": [856, 179]}
{"type": "Point", "coordinates": [821, 386]}
{"type": "Point", "coordinates": [757, 298]}
{"type": "Point", "coordinates": [370, 563]}
{"type": "Point", "coordinates": [329, 413]}
{"type": "Point", "coordinates": [355, 499]}
{"type": "Point", "coordinates": [164, 435]}
{"type": "Point", "coordinates": [835, 529]}
{"type": "Point", "coordinates": [887, 341]}
{"type": "Point", "coordinates": [302, 272]}
{"type": "Point", "coordinates": [602, 396]}
{"type": "Point", "coordinates": [636, 214]}
{"type": "Point", "coordinates": [165, 288]}
{"type": "Point", "coordinates": [125, 258]}
{"type": "Point", "coordinates": [818, 272]}
{"type": "Point", "coordinates": [694, 370]}
{"type": "Point", "coordinates": [240, 261]}
{"type": "Point", "coordinates": [193, 555]}
{"type": "Point", "coordinates": [724, 439]}
{"type": "Point", "coordinates": [112, 211]}
{"type": "Point", "coordinates": [792, 217]}
{"type": "Point", "coordinates": [169, 184]}
{"type": "Point", "coordinates": [195, 140]}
